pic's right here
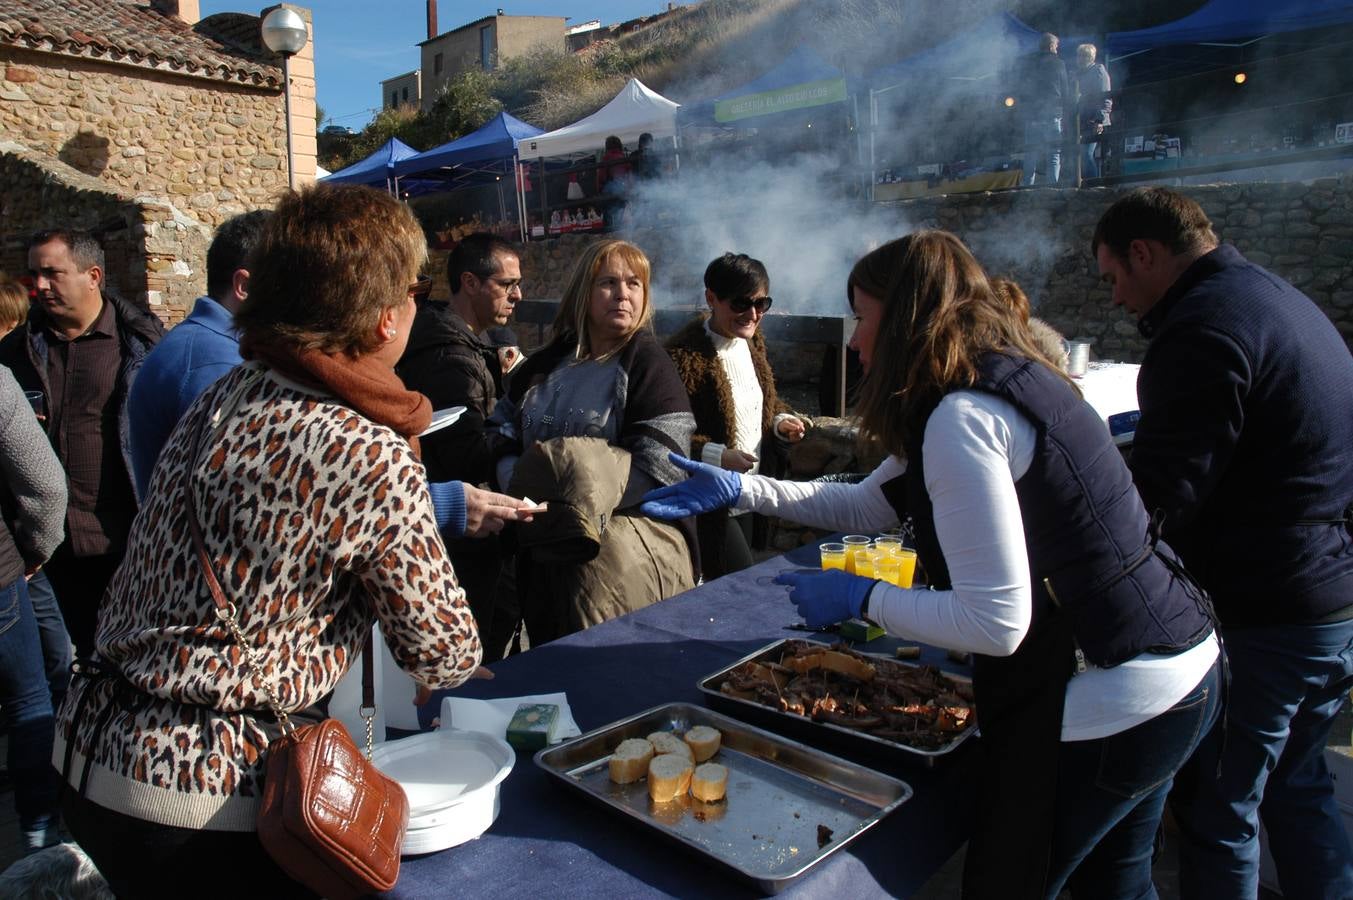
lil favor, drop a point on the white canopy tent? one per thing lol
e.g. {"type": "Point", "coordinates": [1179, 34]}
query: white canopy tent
{"type": "Point", "coordinates": [630, 113]}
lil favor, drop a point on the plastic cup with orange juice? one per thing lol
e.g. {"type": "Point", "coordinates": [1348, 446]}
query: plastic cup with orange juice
{"type": "Point", "coordinates": [854, 543]}
{"type": "Point", "coordinates": [888, 568]}
{"type": "Point", "coordinates": [887, 544]}
{"type": "Point", "coordinates": [906, 567]}
{"type": "Point", "coordinates": [833, 556]}
{"type": "Point", "coordinates": [865, 562]}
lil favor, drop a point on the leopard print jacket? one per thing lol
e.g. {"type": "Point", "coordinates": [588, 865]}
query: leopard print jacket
{"type": "Point", "coordinates": [316, 519]}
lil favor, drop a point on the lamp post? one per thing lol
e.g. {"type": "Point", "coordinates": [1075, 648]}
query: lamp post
{"type": "Point", "coordinates": [284, 32]}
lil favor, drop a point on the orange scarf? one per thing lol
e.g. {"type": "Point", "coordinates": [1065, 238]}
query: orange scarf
{"type": "Point", "coordinates": [368, 386]}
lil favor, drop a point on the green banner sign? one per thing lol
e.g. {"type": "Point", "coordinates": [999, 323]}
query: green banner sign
{"type": "Point", "coordinates": [798, 96]}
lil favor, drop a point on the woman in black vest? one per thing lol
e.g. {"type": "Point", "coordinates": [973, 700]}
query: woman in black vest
{"type": "Point", "coordinates": [1096, 668]}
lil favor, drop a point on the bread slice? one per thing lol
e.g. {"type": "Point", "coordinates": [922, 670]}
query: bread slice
{"type": "Point", "coordinates": [703, 741]}
{"type": "Point", "coordinates": [669, 776]}
{"type": "Point", "coordinates": [667, 742]}
{"type": "Point", "coordinates": [630, 760]}
{"type": "Point", "coordinates": [709, 782]}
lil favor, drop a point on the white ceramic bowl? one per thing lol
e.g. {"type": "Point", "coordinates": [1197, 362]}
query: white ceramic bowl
{"type": "Point", "coordinates": [451, 779]}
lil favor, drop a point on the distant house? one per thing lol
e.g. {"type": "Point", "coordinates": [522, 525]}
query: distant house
{"type": "Point", "coordinates": [402, 90]}
{"type": "Point", "coordinates": [178, 122]}
{"type": "Point", "coordinates": [484, 44]}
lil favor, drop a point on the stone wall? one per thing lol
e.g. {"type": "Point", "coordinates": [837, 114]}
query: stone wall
{"type": "Point", "coordinates": [155, 255]}
{"type": "Point", "coordinates": [1041, 238]}
{"type": "Point", "coordinates": [1303, 233]}
{"type": "Point", "coordinates": [212, 148]}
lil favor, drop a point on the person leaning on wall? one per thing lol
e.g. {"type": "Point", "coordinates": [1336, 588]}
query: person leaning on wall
{"type": "Point", "coordinates": [1096, 667]}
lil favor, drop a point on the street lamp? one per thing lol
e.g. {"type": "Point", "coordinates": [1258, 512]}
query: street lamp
{"type": "Point", "coordinates": [284, 32]}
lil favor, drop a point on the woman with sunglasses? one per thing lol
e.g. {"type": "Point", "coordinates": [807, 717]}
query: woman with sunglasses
{"type": "Point", "coordinates": [1096, 667]}
{"type": "Point", "coordinates": [721, 358]}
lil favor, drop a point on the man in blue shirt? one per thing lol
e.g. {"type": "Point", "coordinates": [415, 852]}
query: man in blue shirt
{"type": "Point", "coordinates": [201, 349]}
{"type": "Point", "coordinates": [204, 346]}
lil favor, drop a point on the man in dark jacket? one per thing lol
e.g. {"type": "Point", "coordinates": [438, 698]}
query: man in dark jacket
{"type": "Point", "coordinates": [447, 360]}
{"type": "Point", "coordinates": [1043, 93]}
{"type": "Point", "coordinates": [1245, 445]}
{"type": "Point", "coordinates": [82, 347]}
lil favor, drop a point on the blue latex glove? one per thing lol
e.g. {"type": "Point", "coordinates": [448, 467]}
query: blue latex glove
{"type": "Point", "coordinates": [824, 598]}
{"type": "Point", "coordinates": [709, 488]}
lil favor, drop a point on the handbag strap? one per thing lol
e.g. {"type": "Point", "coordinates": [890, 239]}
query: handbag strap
{"type": "Point", "coordinates": [225, 610]}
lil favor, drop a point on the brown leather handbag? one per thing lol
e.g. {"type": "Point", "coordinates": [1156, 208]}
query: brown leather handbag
{"type": "Point", "coordinates": [329, 818]}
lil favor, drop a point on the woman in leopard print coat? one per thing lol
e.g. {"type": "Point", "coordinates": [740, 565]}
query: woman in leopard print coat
{"type": "Point", "coordinates": [316, 513]}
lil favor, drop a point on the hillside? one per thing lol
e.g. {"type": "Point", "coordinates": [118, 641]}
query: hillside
{"type": "Point", "coordinates": [707, 47]}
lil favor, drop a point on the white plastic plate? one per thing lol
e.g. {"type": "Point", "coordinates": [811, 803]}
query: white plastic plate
{"type": "Point", "coordinates": [442, 418]}
{"type": "Point", "coordinates": [452, 780]}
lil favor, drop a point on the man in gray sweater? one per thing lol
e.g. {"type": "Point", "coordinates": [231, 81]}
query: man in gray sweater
{"type": "Point", "coordinates": [33, 501]}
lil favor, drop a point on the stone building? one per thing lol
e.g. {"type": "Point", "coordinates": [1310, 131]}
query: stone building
{"type": "Point", "coordinates": [174, 119]}
{"type": "Point", "coordinates": [402, 90]}
{"type": "Point", "coordinates": [483, 44]}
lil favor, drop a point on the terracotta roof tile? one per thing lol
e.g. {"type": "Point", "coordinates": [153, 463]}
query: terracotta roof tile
{"type": "Point", "coordinates": [223, 47]}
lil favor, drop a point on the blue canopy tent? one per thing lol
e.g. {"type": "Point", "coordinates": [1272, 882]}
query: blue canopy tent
{"type": "Point", "coordinates": [802, 80]}
{"type": "Point", "coordinates": [987, 49]}
{"type": "Point", "coordinates": [377, 170]}
{"type": "Point", "coordinates": [1233, 20]}
{"type": "Point", "coordinates": [485, 155]}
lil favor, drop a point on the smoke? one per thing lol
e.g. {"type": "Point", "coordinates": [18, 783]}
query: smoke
{"type": "Point", "coordinates": [793, 190]}
{"type": "Point", "coordinates": [792, 214]}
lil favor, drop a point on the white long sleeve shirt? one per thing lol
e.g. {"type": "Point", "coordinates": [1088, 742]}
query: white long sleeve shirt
{"type": "Point", "coordinates": [976, 447]}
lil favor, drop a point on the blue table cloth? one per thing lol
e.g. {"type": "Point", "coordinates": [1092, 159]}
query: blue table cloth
{"type": "Point", "coordinates": [548, 843]}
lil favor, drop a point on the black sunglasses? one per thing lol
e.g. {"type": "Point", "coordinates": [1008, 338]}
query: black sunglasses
{"type": "Point", "coordinates": [742, 304]}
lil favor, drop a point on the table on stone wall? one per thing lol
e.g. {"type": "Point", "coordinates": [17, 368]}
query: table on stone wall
{"type": "Point", "coordinates": [549, 843]}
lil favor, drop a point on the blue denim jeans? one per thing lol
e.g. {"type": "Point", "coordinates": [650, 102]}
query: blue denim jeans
{"type": "Point", "coordinates": [56, 653]}
{"type": "Point", "coordinates": [1042, 143]}
{"type": "Point", "coordinates": [1287, 684]}
{"type": "Point", "coordinates": [27, 706]}
{"type": "Point", "coordinates": [1089, 165]}
{"type": "Point", "coordinates": [1111, 793]}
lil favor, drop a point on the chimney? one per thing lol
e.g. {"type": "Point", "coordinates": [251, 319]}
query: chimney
{"type": "Point", "coordinates": [186, 11]}
{"type": "Point", "coordinates": [432, 19]}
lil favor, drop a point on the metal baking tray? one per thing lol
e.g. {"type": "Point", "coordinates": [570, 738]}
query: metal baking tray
{"type": "Point", "coordinates": [836, 737]}
{"type": "Point", "coordinates": [782, 796]}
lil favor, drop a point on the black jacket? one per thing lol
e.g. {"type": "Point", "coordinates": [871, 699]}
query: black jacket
{"type": "Point", "coordinates": [1246, 441]}
{"type": "Point", "coordinates": [24, 350]}
{"type": "Point", "coordinates": [446, 361]}
{"type": "Point", "coordinates": [1043, 87]}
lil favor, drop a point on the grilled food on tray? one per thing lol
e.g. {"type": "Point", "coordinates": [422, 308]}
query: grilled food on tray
{"type": "Point", "coordinates": [913, 705]}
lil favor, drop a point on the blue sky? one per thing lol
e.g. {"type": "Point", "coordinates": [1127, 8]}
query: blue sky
{"type": "Point", "coordinates": [360, 42]}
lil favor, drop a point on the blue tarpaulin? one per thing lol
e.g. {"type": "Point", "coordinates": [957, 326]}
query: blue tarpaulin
{"type": "Point", "coordinates": [493, 144]}
{"type": "Point", "coordinates": [377, 169]}
{"type": "Point", "coordinates": [1229, 20]}
{"type": "Point", "coordinates": [988, 48]}
{"type": "Point", "coordinates": [802, 66]}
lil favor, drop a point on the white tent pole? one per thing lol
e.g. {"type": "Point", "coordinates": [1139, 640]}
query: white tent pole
{"type": "Point", "coordinates": [520, 191]}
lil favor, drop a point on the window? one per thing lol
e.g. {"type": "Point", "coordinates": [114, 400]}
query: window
{"type": "Point", "coordinates": [394, 100]}
{"type": "Point", "coordinates": [486, 46]}
{"type": "Point", "coordinates": [406, 95]}
{"type": "Point", "coordinates": [437, 64]}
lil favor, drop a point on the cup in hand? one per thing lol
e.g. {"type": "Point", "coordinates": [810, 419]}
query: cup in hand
{"type": "Point", "coordinates": [38, 402]}
{"type": "Point", "coordinates": [833, 556]}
